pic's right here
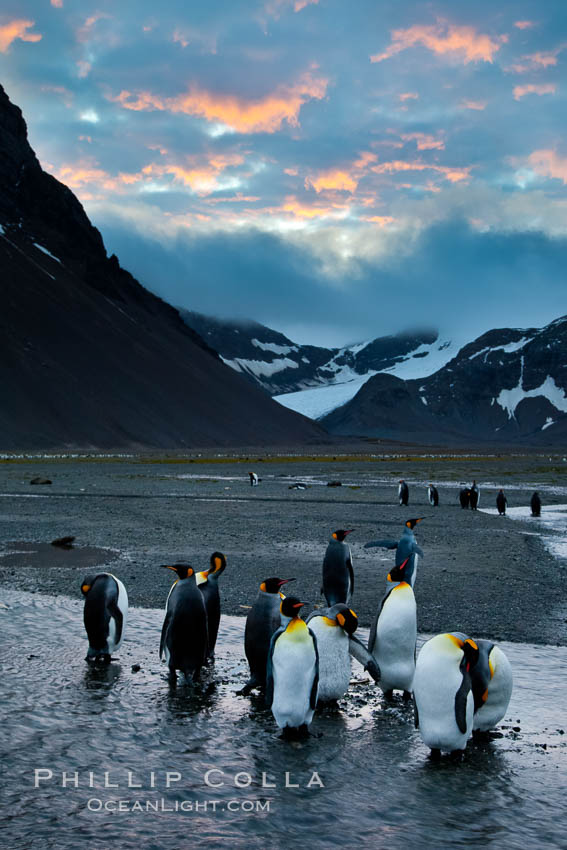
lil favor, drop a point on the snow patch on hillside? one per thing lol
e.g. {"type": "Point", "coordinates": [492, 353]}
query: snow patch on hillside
{"type": "Point", "coordinates": [510, 399]}
{"type": "Point", "coordinates": [259, 367]}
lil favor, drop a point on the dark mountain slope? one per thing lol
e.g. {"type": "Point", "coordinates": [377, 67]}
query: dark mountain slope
{"type": "Point", "coordinates": [88, 357]}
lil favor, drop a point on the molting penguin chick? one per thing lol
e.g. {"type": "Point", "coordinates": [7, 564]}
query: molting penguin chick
{"type": "Point", "coordinates": [465, 497]}
{"type": "Point", "coordinates": [333, 627]}
{"type": "Point", "coordinates": [263, 620]}
{"type": "Point", "coordinates": [433, 495]}
{"type": "Point", "coordinates": [403, 493]}
{"type": "Point", "coordinates": [338, 574]}
{"type": "Point", "coordinates": [184, 638]}
{"type": "Point", "coordinates": [208, 584]}
{"type": "Point", "coordinates": [444, 703]}
{"type": "Point", "coordinates": [292, 675]}
{"type": "Point", "coordinates": [492, 682]}
{"type": "Point", "coordinates": [105, 614]}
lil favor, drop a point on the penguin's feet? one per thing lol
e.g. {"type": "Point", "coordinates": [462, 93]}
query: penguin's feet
{"type": "Point", "coordinates": [389, 694]}
{"type": "Point", "coordinates": [456, 755]}
{"type": "Point", "coordinates": [407, 695]}
{"type": "Point", "coordinates": [435, 755]}
{"type": "Point", "coordinates": [295, 733]}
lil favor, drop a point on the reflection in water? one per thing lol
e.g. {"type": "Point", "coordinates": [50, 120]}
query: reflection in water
{"type": "Point", "coordinates": [201, 762]}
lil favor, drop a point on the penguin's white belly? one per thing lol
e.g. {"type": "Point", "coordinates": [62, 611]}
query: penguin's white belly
{"type": "Point", "coordinates": [122, 603]}
{"type": "Point", "coordinates": [436, 682]}
{"type": "Point", "coordinates": [396, 634]}
{"type": "Point", "coordinates": [334, 660]}
{"type": "Point", "coordinates": [293, 670]}
{"type": "Point", "coordinates": [499, 693]}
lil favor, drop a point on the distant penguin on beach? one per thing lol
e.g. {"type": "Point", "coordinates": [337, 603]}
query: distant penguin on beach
{"type": "Point", "coordinates": [403, 493]}
{"type": "Point", "coordinates": [492, 682]}
{"type": "Point", "coordinates": [208, 584]}
{"type": "Point", "coordinates": [474, 496]}
{"type": "Point", "coordinates": [433, 495]}
{"type": "Point", "coordinates": [262, 621]}
{"type": "Point", "coordinates": [184, 638]}
{"type": "Point", "coordinates": [535, 504]}
{"type": "Point", "coordinates": [105, 613]}
{"type": "Point", "coordinates": [442, 690]}
{"type": "Point", "coordinates": [254, 480]}
{"type": "Point", "coordinates": [501, 502]}
{"type": "Point", "coordinates": [292, 676]}
{"type": "Point", "coordinates": [465, 497]}
{"type": "Point", "coordinates": [338, 574]}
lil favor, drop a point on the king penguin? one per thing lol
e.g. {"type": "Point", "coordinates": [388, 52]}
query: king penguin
{"type": "Point", "coordinates": [333, 627]}
{"type": "Point", "coordinates": [501, 502]}
{"type": "Point", "coordinates": [406, 547]}
{"type": "Point", "coordinates": [105, 614]}
{"type": "Point", "coordinates": [338, 574]}
{"type": "Point", "coordinates": [292, 675]}
{"type": "Point", "coordinates": [254, 480]}
{"type": "Point", "coordinates": [492, 682]}
{"type": "Point", "coordinates": [535, 504]}
{"type": "Point", "coordinates": [208, 584]}
{"type": "Point", "coordinates": [433, 495]}
{"type": "Point", "coordinates": [474, 496]}
{"type": "Point", "coordinates": [263, 620]}
{"type": "Point", "coordinates": [465, 497]}
{"type": "Point", "coordinates": [393, 634]}
{"type": "Point", "coordinates": [184, 638]}
{"type": "Point", "coordinates": [403, 493]}
{"type": "Point", "coordinates": [444, 703]}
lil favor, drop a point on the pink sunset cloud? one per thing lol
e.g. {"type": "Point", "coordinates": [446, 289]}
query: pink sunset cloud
{"type": "Point", "coordinates": [445, 38]}
{"type": "Point", "coordinates": [524, 25]}
{"type": "Point", "coordinates": [479, 105]}
{"type": "Point", "coordinates": [17, 29]}
{"type": "Point", "coordinates": [424, 141]}
{"type": "Point", "coordinates": [533, 88]}
{"type": "Point", "coordinates": [548, 163]}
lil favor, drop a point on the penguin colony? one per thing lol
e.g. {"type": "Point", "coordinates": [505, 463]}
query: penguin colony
{"type": "Point", "coordinates": [460, 686]}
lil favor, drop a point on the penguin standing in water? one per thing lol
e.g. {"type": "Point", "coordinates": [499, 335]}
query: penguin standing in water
{"type": "Point", "coordinates": [442, 690]}
{"type": "Point", "coordinates": [254, 480]}
{"type": "Point", "coordinates": [393, 634]}
{"type": "Point", "coordinates": [535, 504]}
{"type": "Point", "coordinates": [333, 627]}
{"type": "Point", "coordinates": [208, 584]}
{"type": "Point", "coordinates": [501, 502]}
{"type": "Point", "coordinates": [338, 574]}
{"type": "Point", "coordinates": [184, 639]}
{"type": "Point", "coordinates": [433, 495]}
{"type": "Point", "coordinates": [403, 493]}
{"type": "Point", "coordinates": [292, 675]}
{"type": "Point", "coordinates": [263, 620]}
{"type": "Point", "coordinates": [465, 497]}
{"type": "Point", "coordinates": [474, 496]}
{"type": "Point", "coordinates": [492, 682]}
{"type": "Point", "coordinates": [105, 614]}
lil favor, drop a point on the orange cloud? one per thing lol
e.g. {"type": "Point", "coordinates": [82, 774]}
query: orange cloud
{"type": "Point", "coordinates": [14, 30]}
{"type": "Point", "coordinates": [57, 3]}
{"type": "Point", "coordinates": [549, 164]}
{"type": "Point", "coordinates": [453, 175]}
{"type": "Point", "coordinates": [332, 179]}
{"type": "Point", "coordinates": [524, 25]}
{"type": "Point", "coordinates": [201, 176]}
{"type": "Point", "coordinates": [424, 141]}
{"type": "Point", "coordinates": [275, 7]}
{"type": "Point", "coordinates": [84, 173]}
{"type": "Point", "coordinates": [443, 38]}
{"type": "Point", "coordinates": [266, 114]}
{"type": "Point", "coordinates": [408, 95]}
{"type": "Point", "coordinates": [537, 61]}
{"type": "Point", "coordinates": [301, 4]}
{"type": "Point", "coordinates": [309, 211]}
{"type": "Point", "coordinates": [380, 220]}
{"type": "Point", "coordinates": [473, 104]}
{"type": "Point", "coordinates": [533, 88]}
{"type": "Point", "coordinates": [293, 172]}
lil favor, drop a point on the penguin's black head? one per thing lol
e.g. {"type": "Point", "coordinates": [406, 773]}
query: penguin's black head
{"type": "Point", "coordinates": [403, 572]}
{"type": "Point", "coordinates": [86, 584]}
{"type": "Point", "coordinates": [411, 523]}
{"type": "Point", "coordinates": [291, 606]}
{"type": "Point", "coordinates": [272, 585]}
{"type": "Point", "coordinates": [340, 534]}
{"type": "Point", "coordinates": [218, 564]}
{"type": "Point", "coordinates": [347, 619]}
{"type": "Point", "coordinates": [182, 570]}
{"type": "Point", "coordinates": [470, 648]}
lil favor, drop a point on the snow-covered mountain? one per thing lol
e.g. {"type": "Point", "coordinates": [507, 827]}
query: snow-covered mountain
{"type": "Point", "coordinates": [311, 379]}
{"type": "Point", "coordinates": [508, 385]}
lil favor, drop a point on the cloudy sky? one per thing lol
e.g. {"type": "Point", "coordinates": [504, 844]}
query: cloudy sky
{"type": "Point", "coordinates": [337, 170]}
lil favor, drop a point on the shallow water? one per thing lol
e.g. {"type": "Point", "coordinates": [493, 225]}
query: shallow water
{"type": "Point", "coordinates": [379, 790]}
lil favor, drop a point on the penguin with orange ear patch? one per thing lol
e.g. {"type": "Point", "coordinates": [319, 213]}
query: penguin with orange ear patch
{"type": "Point", "coordinates": [491, 686]}
{"type": "Point", "coordinates": [292, 676]}
{"type": "Point", "coordinates": [105, 614]}
{"type": "Point", "coordinates": [184, 637]}
{"type": "Point", "coordinates": [333, 628]}
{"type": "Point", "coordinates": [209, 587]}
{"type": "Point", "coordinates": [338, 574]}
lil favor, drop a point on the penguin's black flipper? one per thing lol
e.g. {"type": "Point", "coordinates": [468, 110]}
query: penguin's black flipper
{"type": "Point", "coordinates": [358, 651]}
{"type": "Point", "coordinates": [384, 544]}
{"type": "Point", "coordinates": [372, 635]}
{"type": "Point", "coordinates": [164, 633]}
{"type": "Point", "coordinates": [269, 696]}
{"type": "Point", "coordinates": [118, 619]}
{"type": "Point", "coordinates": [419, 551]}
{"type": "Point", "coordinates": [415, 714]}
{"type": "Point", "coordinates": [461, 701]}
{"type": "Point", "coordinates": [351, 574]}
{"type": "Point", "coordinates": [315, 686]}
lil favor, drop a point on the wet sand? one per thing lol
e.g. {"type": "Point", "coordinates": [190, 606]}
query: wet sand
{"type": "Point", "coordinates": [486, 575]}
